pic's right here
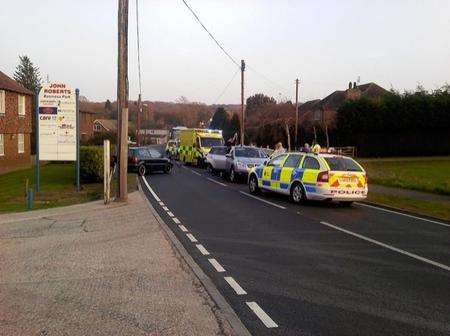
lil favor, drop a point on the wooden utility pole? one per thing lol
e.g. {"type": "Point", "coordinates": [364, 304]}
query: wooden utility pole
{"type": "Point", "coordinates": [242, 103]}
{"type": "Point", "coordinates": [138, 121]}
{"type": "Point", "coordinates": [296, 115]}
{"type": "Point", "coordinates": [122, 99]}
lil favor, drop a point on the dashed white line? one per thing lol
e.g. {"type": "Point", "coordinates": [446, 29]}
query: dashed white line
{"type": "Point", "coordinates": [216, 265]}
{"type": "Point", "coordinates": [176, 220]}
{"type": "Point", "coordinates": [151, 191]}
{"type": "Point", "coordinates": [390, 247]}
{"type": "Point", "coordinates": [170, 214]}
{"type": "Point", "coordinates": [161, 203]}
{"type": "Point", "coordinates": [191, 238]}
{"type": "Point", "coordinates": [215, 181]}
{"type": "Point", "coordinates": [202, 249]}
{"type": "Point", "coordinates": [268, 322]}
{"type": "Point", "coordinates": [195, 172]}
{"type": "Point", "coordinates": [183, 228]}
{"type": "Point", "coordinates": [263, 200]}
{"type": "Point", "coordinates": [165, 208]}
{"type": "Point", "coordinates": [237, 288]}
{"type": "Point", "coordinates": [403, 214]}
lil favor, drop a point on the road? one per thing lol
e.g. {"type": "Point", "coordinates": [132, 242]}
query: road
{"type": "Point", "coordinates": [314, 269]}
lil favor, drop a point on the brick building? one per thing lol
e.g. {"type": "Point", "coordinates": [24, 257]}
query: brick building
{"type": "Point", "coordinates": [87, 119]}
{"type": "Point", "coordinates": [16, 106]}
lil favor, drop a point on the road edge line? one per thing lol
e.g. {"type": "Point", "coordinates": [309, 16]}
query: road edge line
{"type": "Point", "coordinates": [225, 311]}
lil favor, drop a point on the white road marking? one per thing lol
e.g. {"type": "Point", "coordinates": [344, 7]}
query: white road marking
{"type": "Point", "coordinates": [403, 214]}
{"type": "Point", "coordinates": [192, 238]}
{"type": "Point", "coordinates": [238, 289]}
{"type": "Point", "coordinates": [195, 172]}
{"type": "Point", "coordinates": [376, 242]}
{"type": "Point", "coordinates": [161, 203]}
{"type": "Point", "coordinates": [219, 183]}
{"type": "Point", "coordinates": [165, 208]}
{"type": "Point", "coordinates": [202, 249]}
{"type": "Point", "coordinates": [183, 228]}
{"type": "Point", "coordinates": [151, 191]}
{"type": "Point", "coordinates": [170, 214]}
{"type": "Point", "coordinates": [268, 322]}
{"type": "Point", "coordinates": [176, 220]}
{"type": "Point", "coordinates": [263, 200]}
{"type": "Point", "coordinates": [216, 265]}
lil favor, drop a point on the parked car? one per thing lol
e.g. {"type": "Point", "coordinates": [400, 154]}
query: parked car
{"type": "Point", "coordinates": [216, 159]}
{"type": "Point", "coordinates": [241, 159]}
{"type": "Point", "coordinates": [309, 176]}
{"type": "Point", "coordinates": [144, 160]}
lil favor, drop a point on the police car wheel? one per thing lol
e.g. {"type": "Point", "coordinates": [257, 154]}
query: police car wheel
{"type": "Point", "coordinates": [297, 193]}
{"type": "Point", "coordinates": [142, 170]}
{"type": "Point", "coordinates": [253, 185]}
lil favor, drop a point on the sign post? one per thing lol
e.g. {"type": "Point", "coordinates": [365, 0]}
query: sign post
{"type": "Point", "coordinates": [36, 106]}
{"type": "Point", "coordinates": [77, 103]}
{"type": "Point", "coordinates": [57, 126]}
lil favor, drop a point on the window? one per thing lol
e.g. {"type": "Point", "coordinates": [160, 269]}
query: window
{"type": "Point", "coordinates": [97, 128]}
{"type": "Point", "coordinates": [311, 163]}
{"type": "Point", "coordinates": [249, 153]}
{"type": "Point", "coordinates": [2, 102]}
{"type": "Point", "coordinates": [154, 153]}
{"type": "Point", "coordinates": [342, 164]}
{"type": "Point", "coordinates": [21, 105]}
{"type": "Point", "coordinates": [211, 142]}
{"type": "Point", "coordinates": [276, 161]}
{"type": "Point", "coordinates": [20, 143]}
{"type": "Point", "coordinates": [292, 161]}
{"type": "Point", "coordinates": [2, 145]}
{"type": "Point", "coordinates": [318, 115]}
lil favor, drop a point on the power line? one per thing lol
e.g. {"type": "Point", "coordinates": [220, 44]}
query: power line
{"type": "Point", "coordinates": [267, 79]}
{"type": "Point", "coordinates": [226, 87]}
{"type": "Point", "coordinates": [211, 35]}
{"type": "Point", "coordinates": [138, 47]}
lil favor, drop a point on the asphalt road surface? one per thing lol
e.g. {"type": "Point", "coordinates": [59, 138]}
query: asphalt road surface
{"type": "Point", "coordinates": [313, 269]}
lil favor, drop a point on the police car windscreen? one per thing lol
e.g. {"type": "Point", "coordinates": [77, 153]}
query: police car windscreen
{"type": "Point", "coordinates": [342, 164]}
{"type": "Point", "coordinates": [249, 153]}
{"type": "Point", "coordinates": [211, 142]}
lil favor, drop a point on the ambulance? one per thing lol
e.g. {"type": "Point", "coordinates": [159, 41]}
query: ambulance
{"type": "Point", "coordinates": [195, 144]}
{"type": "Point", "coordinates": [310, 176]}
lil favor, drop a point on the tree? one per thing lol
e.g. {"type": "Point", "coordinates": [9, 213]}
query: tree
{"type": "Point", "coordinates": [219, 119]}
{"type": "Point", "coordinates": [27, 74]}
{"type": "Point", "coordinates": [234, 126]}
{"type": "Point", "coordinates": [108, 106]}
{"type": "Point", "coordinates": [258, 101]}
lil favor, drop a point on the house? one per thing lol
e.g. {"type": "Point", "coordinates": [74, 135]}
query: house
{"type": "Point", "coordinates": [87, 118]}
{"type": "Point", "coordinates": [16, 106]}
{"type": "Point", "coordinates": [105, 126]}
{"type": "Point", "coordinates": [323, 112]}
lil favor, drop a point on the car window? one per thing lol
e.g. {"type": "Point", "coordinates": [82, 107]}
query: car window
{"type": "Point", "coordinates": [276, 161]}
{"type": "Point", "coordinates": [337, 163]}
{"type": "Point", "coordinates": [249, 153]}
{"type": "Point", "coordinates": [210, 142]}
{"type": "Point", "coordinates": [311, 163]}
{"type": "Point", "coordinates": [154, 153]}
{"type": "Point", "coordinates": [292, 161]}
{"type": "Point", "coordinates": [142, 153]}
{"type": "Point", "coordinates": [212, 151]}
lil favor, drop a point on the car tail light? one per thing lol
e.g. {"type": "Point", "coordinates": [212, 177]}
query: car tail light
{"type": "Point", "coordinates": [366, 177]}
{"type": "Point", "coordinates": [134, 159]}
{"type": "Point", "coordinates": [323, 176]}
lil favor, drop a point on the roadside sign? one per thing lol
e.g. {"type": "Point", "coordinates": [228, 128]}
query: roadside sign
{"type": "Point", "coordinates": [57, 123]}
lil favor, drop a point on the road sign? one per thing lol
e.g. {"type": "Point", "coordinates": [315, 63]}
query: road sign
{"type": "Point", "coordinates": [57, 123]}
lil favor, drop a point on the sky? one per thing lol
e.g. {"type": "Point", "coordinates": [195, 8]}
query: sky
{"type": "Point", "coordinates": [396, 44]}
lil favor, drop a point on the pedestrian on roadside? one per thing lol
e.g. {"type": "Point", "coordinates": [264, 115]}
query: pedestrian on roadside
{"type": "Point", "coordinates": [279, 149]}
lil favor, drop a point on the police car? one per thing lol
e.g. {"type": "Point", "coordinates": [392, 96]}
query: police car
{"type": "Point", "coordinates": [309, 176]}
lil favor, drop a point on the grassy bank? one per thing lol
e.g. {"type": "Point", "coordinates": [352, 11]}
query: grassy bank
{"type": "Point", "coordinates": [57, 188]}
{"type": "Point", "coordinates": [423, 174]}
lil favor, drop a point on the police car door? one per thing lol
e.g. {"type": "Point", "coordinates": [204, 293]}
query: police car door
{"type": "Point", "coordinates": [311, 168]}
{"type": "Point", "coordinates": [272, 172]}
{"type": "Point", "coordinates": [289, 165]}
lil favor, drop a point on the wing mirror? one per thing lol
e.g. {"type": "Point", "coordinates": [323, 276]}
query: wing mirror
{"type": "Point", "coordinates": [265, 163]}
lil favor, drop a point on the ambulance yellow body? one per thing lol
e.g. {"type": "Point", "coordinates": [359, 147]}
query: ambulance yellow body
{"type": "Point", "coordinates": [195, 143]}
{"type": "Point", "coordinates": [309, 176]}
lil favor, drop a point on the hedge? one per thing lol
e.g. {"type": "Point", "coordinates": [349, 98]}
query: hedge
{"type": "Point", "coordinates": [91, 163]}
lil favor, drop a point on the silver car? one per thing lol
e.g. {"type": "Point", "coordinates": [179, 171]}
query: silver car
{"type": "Point", "coordinates": [216, 159]}
{"type": "Point", "coordinates": [241, 159]}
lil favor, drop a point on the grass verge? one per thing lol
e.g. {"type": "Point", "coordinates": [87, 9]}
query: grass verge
{"type": "Point", "coordinates": [57, 188]}
{"type": "Point", "coordinates": [422, 174]}
{"type": "Point", "coordinates": [433, 208]}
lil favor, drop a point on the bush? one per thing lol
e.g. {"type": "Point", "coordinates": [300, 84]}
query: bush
{"type": "Point", "coordinates": [91, 163]}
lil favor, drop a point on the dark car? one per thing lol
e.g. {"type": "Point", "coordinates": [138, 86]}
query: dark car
{"type": "Point", "coordinates": [144, 160]}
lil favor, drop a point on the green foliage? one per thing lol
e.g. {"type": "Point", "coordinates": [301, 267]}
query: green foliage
{"type": "Point", "coordinates": [97, 139]}
{"type": "Point", "coordinates": [91, 163]}
{"type": "Point", "coordinates": [219, 119]}
{"type": "Point", "coordinates": [258, 101]}
{"type": "Point", "coordinates": [27, 74]}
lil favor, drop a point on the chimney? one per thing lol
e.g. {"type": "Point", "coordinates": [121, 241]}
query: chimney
{"type": "Point", "coordinates": [349, 85]}
{"type": "Point", "coordinates": [354, 85]}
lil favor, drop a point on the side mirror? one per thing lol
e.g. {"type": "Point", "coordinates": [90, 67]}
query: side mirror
{"type": "Point", "coordinates": [265, 163]}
